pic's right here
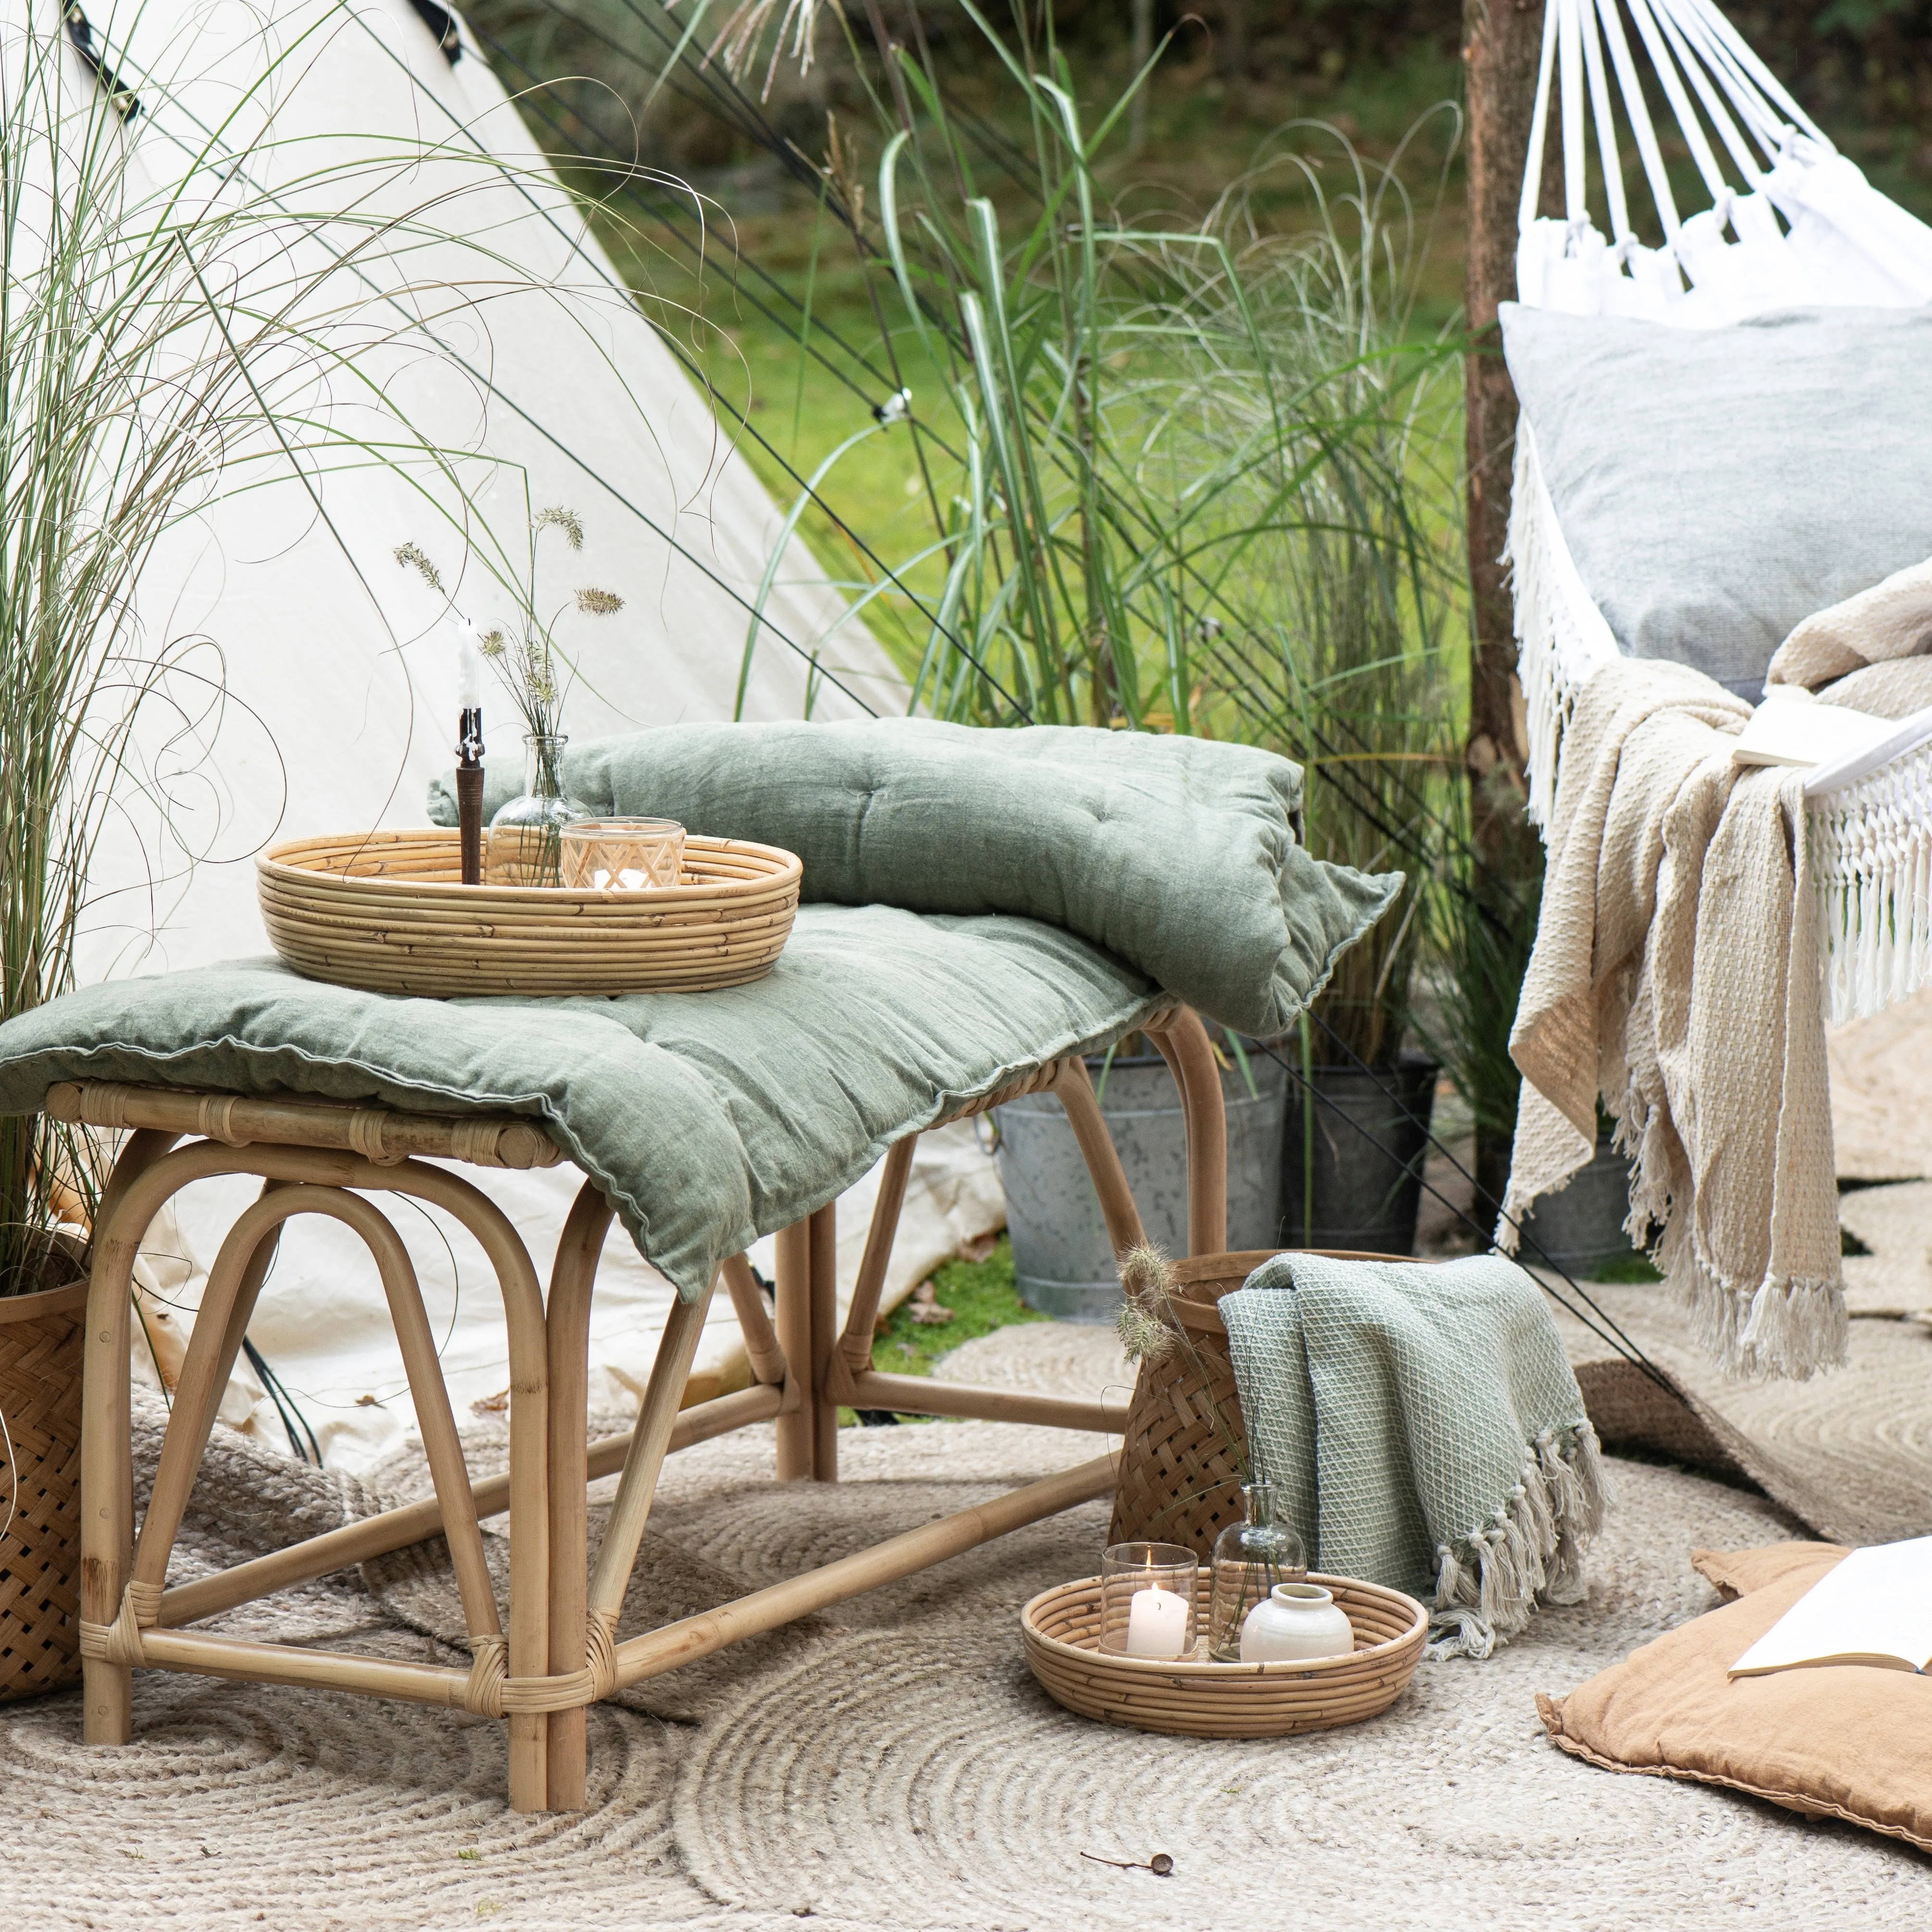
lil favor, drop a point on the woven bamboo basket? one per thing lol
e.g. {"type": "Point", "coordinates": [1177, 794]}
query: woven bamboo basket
{"type": "Point", "coordinates": [41, 1337]}
{"type": "Point", "coordinates": [387, 911]}
{"type": "Point", "coordinates": [1061, 1630]}
{"type": "Point", "coordinates": [1180, 1479]}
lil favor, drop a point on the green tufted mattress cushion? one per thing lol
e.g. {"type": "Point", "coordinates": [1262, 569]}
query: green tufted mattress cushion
{"type": "Point", "coordinates": [707, 1119]}
{"type": "Point", "coordinates": [1177, 855]}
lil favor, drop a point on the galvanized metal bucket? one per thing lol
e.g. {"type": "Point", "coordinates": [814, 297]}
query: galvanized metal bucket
{"type": "Point", "coordinates": [1061, 1256]}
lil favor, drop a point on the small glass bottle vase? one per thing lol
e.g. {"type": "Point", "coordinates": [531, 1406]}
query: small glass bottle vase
{"type": "Point", "coordinates": [526, 835]}
{"type": "Point", "coordinates": [1250, 1558]}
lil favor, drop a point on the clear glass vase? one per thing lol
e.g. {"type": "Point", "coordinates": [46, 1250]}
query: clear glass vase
{"type": "Point", "coordinates": [1250, 1557]}
{"type": "Point", "coordinates": [526, 835]}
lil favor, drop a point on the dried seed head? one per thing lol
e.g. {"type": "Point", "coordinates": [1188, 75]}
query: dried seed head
{"type": "Point", "coordinates": [411, 557]}
{"type": "Point", "coordinates": [558, 518]}
{"type": "Point", "coordinates": [599, 603]}
{"type": "Point", "coordinates": [1146, 1275]}
{"type": "Point", "coordinates": [1145, 1336]}
{"type": "Point", "coordinates": [493, 644]}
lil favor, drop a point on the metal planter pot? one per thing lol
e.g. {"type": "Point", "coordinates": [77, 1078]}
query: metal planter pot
{"type": "Point", "coordinates": [1581, 1228]}
{"type": "Point", "coordinates": [1359, 1184]}
{"type": "Point", "coordinates": [1061, 1256]}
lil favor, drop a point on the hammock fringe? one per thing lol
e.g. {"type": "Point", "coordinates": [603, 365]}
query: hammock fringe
{"type": "Point", "coordinates": [1871, 842]}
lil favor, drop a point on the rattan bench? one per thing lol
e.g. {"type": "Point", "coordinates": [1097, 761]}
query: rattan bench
{"type": "Point", "coordinates": [561, 1649]}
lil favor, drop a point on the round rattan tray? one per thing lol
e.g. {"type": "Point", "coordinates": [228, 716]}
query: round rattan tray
{"type": "Point", "coordinates": [1204, 1699]}
{"type": "Point", "coordinates": [387, 911]}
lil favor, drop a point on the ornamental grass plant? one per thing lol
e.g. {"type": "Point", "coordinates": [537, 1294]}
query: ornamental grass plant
{"type": "Point", "coordinates": [191, 313]}
{"type": "Point", "coordinates": [1191, 475]}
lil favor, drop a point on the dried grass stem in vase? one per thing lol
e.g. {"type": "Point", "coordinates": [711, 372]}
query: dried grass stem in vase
{"type": "Point", "coordinates": [526, 834]}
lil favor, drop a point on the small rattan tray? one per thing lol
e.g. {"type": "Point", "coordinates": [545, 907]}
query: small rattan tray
{"type": "Point", "coordinates": [387, 911]}
{"type": "Point", "coordinates": [1204, 1699]}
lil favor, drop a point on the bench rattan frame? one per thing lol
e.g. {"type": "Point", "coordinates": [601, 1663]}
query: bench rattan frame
{"type": "Point", "coordinates": [561, 1650]}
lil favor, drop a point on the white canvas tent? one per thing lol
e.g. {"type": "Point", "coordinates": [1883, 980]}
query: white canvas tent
{"type": "Point", "coordinates": [491, 342]}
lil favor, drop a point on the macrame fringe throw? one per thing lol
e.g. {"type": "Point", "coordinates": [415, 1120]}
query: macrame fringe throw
{"type": "Point", "coordinates": [1791, 1328]}
{"type": "Point", "coordinates": [1532, 1550]}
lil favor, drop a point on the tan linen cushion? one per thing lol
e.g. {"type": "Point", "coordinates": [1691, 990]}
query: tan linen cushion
{"type": "Point", "coordinates": [1843, 1740]}
{"type": "Point", "coordinates": [1737, 1573]}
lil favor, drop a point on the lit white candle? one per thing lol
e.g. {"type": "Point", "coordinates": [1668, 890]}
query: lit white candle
{"type": "Point", "coordinates": [1158, 1622]}
{"type": "Point", "coordinates": [469, 668]}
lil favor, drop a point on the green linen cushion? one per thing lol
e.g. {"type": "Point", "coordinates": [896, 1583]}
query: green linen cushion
{"type": "Point", "coordinates": [707, 1119]}
{"type": "Point", "coordinates": [1178, 855]}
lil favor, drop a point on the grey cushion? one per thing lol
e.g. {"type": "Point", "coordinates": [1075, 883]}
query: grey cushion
{"type": "Point", "coordinates": [1177, 855]}
{"type": "Point", "coordinates": [707, 1119]}
{"type": "Point", "coordinates": [1716, 486]}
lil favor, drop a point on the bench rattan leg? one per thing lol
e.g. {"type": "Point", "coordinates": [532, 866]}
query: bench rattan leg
{"type": "Point", "coordinates": [822, 1253]}
{"type": "Point", "coordinates": [123, 1593]}
{"type": "Point", "coordinates": [567, 1323]}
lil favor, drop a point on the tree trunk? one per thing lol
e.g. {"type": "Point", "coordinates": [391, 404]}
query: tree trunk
{"type": "Point", "coordinates": [1502, 40]}
{"type": "Point", "coordinates": [1232, 53]}
{"type": "Point", "coordinates": [1143, 42]}
{"type": "Point", "coordinates": [1501, 43]}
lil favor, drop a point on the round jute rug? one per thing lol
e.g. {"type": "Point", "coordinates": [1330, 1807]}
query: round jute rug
{"type": "Point", "coordinates": [891, 1766]}
{"type": "Point", "coordinates": [1848, 1453]}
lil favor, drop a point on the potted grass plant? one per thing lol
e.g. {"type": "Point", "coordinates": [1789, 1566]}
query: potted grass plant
{"type": "Point", "coordinates": [106, 432]}
{"type": "Point", "coordinates": [1189, 475]}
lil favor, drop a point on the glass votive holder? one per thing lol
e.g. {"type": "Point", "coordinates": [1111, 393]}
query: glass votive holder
{"type": "Point", "coordinates": [622, 855]}
{"type": "Point", "coordinates": [1146, 1599]}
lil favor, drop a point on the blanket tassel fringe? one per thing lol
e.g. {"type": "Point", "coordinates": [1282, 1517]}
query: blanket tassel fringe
{"type": "Point", "coordinates": [1488, 1583]}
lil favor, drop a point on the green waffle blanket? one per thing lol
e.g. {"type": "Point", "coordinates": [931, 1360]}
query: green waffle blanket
{"type": "Point", "coordinates": [1424, 1431]}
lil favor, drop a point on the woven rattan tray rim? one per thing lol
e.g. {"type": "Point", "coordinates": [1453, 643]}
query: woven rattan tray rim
{"type": "Point", "coordinates": [1296, 1670]}
{"type": "Point", "coordinates": [778, 870]}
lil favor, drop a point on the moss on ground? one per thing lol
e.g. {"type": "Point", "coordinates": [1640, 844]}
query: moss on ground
{"type": "Point", "coordinates": [983, 1297]}
{"type": "Point", "coordinates": [1632, 1269]}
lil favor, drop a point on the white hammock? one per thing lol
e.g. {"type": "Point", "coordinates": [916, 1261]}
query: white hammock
{"type": "Point", "coordinates": [1839, 242]}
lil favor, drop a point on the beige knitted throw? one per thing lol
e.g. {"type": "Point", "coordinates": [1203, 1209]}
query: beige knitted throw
{"type": "Point", "coordinates": [1676, 971]}
{"type": "Point", "coordinates": [1891, 620]}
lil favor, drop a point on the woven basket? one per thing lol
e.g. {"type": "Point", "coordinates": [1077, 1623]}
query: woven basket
{"type": "Point", "coordinates": [1180, 1479]}
{"type": "Point", "coordinates": [41, 1337]}
{"type": "Point", "coordinates": [387, 911]}
{"type": "Point", "coordinates": [1061, 1630]}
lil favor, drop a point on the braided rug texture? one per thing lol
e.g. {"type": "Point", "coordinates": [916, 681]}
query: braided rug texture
{"type": "Point", "coordinates": [890, 1765]}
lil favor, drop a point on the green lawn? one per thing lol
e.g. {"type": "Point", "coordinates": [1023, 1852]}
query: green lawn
{"type": "Point", "coordinates": [982, 1297]}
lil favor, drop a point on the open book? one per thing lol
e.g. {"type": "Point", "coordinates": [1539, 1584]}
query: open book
{"type": "Point", "coordinates": [1875, 1607]}
{"type": "Point", "coordinates": [1792, 728]}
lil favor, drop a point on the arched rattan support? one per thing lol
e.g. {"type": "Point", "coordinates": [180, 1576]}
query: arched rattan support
{"type": "Point", "coordinates": [145, 1177]}
{"type": "Point", "coordinates": [227, 1302]}
{"type": "Point", "coordinates": [1182, 1041]}
{"type": "Point", "coordinates": [221, 1321]}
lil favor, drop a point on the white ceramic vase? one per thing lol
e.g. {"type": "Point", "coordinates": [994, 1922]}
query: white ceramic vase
{"type": "Point", "coordinates": [1294, 1622]}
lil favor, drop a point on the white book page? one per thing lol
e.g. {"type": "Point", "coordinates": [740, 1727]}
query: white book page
{"type": "Point", "coordinates": [1875, 1607]}
{"type": "Point", "coordinates": [1785, 730]}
